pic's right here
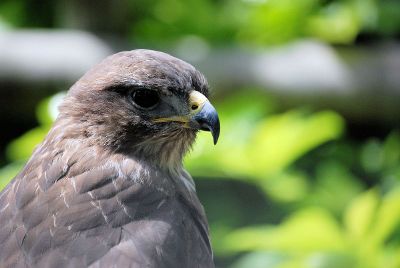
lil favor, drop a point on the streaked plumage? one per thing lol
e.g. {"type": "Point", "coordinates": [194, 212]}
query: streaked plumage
{"type": "Point", "coordinates": [106, 188]}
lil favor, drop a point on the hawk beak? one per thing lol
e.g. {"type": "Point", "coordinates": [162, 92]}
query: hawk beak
{"type": "Point", "coordinates": [203, 115]}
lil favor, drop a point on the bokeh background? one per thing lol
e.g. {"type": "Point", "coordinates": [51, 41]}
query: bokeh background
{"type": "Point", "coordinates": [306, 172]}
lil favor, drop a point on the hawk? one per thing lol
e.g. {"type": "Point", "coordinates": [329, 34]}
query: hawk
{"type": "Point", "coordinates": [106, 187]}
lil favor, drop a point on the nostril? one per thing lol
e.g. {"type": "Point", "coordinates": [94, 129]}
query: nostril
{"type": "Point", "coordinates": [194, 106]}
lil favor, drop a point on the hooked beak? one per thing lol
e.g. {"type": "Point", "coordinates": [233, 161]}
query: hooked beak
{"type": "Point", "coordinates": [202, 115]}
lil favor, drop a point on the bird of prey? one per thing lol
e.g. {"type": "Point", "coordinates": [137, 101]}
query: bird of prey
{"type": "Point", "coordinates": [106, 187]}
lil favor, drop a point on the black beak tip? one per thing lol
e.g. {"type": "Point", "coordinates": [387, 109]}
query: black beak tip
{"type": "Point", "coordinates": [215, 133]}
{"type": "Point", "coordinates": [209, 121]}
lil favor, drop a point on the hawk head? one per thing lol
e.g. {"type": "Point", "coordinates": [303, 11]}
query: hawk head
{"type": "Point", "coordinates": [140, 102]}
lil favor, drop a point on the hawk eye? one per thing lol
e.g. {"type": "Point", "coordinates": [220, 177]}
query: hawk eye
{"type": "Point", "coordinates": [145, 98]}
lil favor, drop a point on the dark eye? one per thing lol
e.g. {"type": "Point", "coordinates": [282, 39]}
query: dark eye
{"type": "Point", "coordinates": [146, 99]}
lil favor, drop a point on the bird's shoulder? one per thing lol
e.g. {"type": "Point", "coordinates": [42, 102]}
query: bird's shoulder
{"type": "Point", "coordinates": [75, 205]}
{"type": "Point", "coordinates": [75, 190]}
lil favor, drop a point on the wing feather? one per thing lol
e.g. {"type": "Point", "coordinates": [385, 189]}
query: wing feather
{"type": "Point", "coordinates": [113, 212]}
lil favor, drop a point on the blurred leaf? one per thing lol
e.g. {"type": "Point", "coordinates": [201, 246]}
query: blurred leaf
{"type": "Point", "coordinates": [331, 260]}
{"type": "Point", "coordinates": [387, 218]}
{"type": "Point", "coordinates": [389, 17]}
{"type": "Point", "coordinates": [367, 13]}
{"type": "Point", "coordinates": [42, 112]}
{"type": "Point", "coordinates": [334, 187]}
{"type": "Point", "coordinates": [275, 21]}
{"type": "Point", "coordinates": [46, 112]}
{"type": "Point", "coordinates": [170, 20]}
{"type": "Point", "coordinates": [281, 139]}
{"type": "Point", "coordinates": [22, 148]}
{"type": "Point", "coordinates": [307, 230]}
{"type": "Point", "coordinates": [218, 232]}
{"type": "Point", "coordinates": [336, 23]}
{"type": "Point", "coordinates": [391, 150]}
{"type": "Point", "coordinates": [390, 258]}
{"type": "Point", "coordinates": [286, 186]}
{"type": "Point", "coordinates": [372, 156]}
{"type": "Point", "coordinates": [360, 214]}
{"type": "Point", "coordinates": [11, 12]}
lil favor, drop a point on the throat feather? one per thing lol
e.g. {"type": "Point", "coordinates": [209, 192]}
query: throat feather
{"type": "Point", "coordinates": [167, 152]}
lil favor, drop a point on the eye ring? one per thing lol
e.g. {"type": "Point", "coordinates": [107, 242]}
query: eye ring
{"type": "Point", "coordinates": [145, 99]}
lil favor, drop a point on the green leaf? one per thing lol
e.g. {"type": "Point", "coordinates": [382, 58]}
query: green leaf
{"type": "Point", "coordinates": [337, 23]}
{"type": "Point", "coordinates": [387, 217]}
{"type": "Point", "coordinates": [47, 110]}
{"type": "Point", "coordinates": [276, 21]}
{"type": "Point", "coordinates": [372, 156]}
{"type": "Point", "coordinates": [22, 147]}
{"type": "Point", "coordinates": [281, 139]}
{"type": "Point", "coordinates": [391, 150]}
{"type": "Point", "coordinates": [287, 186]}
{"type": "Point", "coordinates": [307, 230]}
{"type": "Point", "coordinates": [360, 214]}
{"type": "Point", "coordinates": [334, 186]}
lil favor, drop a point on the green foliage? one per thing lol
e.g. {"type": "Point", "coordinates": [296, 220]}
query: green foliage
{"type": "Point", "coordinates": [362, 240]}
{"type": "Point", "coordinates": [307, 230]}
{"type": "Point", "coordinates": [170, 20]}
{"type": "Point", "coordinates": [276, 21]}
{"type": "Point", "coordinates": [389, 17]}
{"type": "Point", "coordinates": [27, 13]}
{"type": "Point", "coordinates": [341, 20]}
{"type": "Point", "coordinates": [246, 22]}
{"type": "Point", "coordinates": [10, 12]}
{"type": "Point", "coordinates": [273, 22]}
{"type": "Point", "coordinates": [20, 149]}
